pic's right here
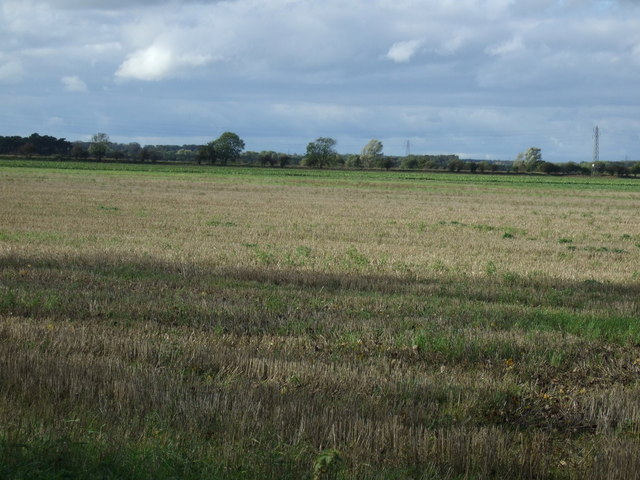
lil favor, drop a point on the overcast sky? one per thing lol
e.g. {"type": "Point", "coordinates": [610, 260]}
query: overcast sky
{"type": "Point", "coordinates": [479, 78]}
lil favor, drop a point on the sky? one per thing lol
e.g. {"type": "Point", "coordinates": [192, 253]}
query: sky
{"type": "Point", "coordinates": [484, 79]}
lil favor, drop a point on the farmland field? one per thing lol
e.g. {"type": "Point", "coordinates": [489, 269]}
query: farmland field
{"type": "Point", "coordinates": [198, 322]}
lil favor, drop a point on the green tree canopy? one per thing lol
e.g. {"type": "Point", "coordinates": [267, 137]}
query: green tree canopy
{"type": "Point", "coordinates": [268, 158]}
{"type": "Point", "coordinates": [283, 159]}
{"type": "Point", "coordinates": [371, 155]}
{"type": "Point", "coordinates": [99, 145]}
{"type": "Point", "coordinates": [78, 151]}
{"type": "Point", "coordinates": [321, 153]}
{"type": "Point", "coordinates": [548, 167]}
{"type": "Point", "coordinates": [353, 161]}
{"type": "Point", "coordinates": [529, 160]}
{"type": "Point", "coordinates": [228, 147]}
{"type": "Point", "coordinates": [133, 150]}
{"type": "Point", "coordinates": [455, 165]}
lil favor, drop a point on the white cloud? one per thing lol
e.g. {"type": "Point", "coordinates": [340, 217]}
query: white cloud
{"type": "Point", "coordinates": [158, 62]}
{"type": "Point", "coordinates": [73, 84]}
{"type": "Point", "coordinates": [297, 67]}
{"type": "Point", "coordinates": [152, 63]}
{"type": "Point", "coordinates": [401, 52]}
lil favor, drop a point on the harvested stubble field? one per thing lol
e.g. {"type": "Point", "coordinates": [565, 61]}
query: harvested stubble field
{"type": "Point", "coordinates": [167, 322]}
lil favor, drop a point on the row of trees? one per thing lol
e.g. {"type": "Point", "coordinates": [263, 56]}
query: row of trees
{"type": "Point", "coordinates": [321, 153]}
{"type": "Point", "coordinates": [531, 161]}
{"type": "Point", "coordinates": [100, 146]}
{"type": "Point", "coordinates": [34, 145]}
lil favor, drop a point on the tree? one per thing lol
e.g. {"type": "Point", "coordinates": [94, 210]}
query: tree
{"type": "Point", "coordinates": [518, 163]}
{"type": "Point", "coordinates": [283, 159]}
{"type": "Point", "coordinates": [133, 150]}
{"type": "Point", "coordinates": [548, 167]}
{"type": "Point", "coordinates": [571, 168]}
{"type": "Point", "coordinates": [38, 144]}
{"type": "Point", "coordinates": [428, 163]}
{"type": "Point", "coordinates": [78, 151]}
{"type": "Point", "coordinates": [228, 147]}
{"type": "Point", "coordinates": [99, 145]}
{"type": "Point", "coordinates": [598, 167]}
{"type": "Point", "coordinates": [185, 155]}
{"type": "Point", "coordinates": [371, 155]}
{"type": "Point", "coordinates": [27, 149]}
{"type": "Point", "coordinates": [321, 153]}
{"type": "Point", "coordinates": [207, 153]}
{"type": "Point", "coordinates": [10, 144]}
{"type": "Point", "coordinates": [635, 169]}
{"type": "Point", "coordinates": [615, 168]}
{"type": "Point", "coordinates": [149, 153]}
{"type": "Point", "coordinates": [268, 158]}
{"type": "Point", "coordinates": [386, 162]}
{"type": "Point", "coordinates": [410, 162]}
{"type": "Point", "coordinates": [353, 161]}
{"type": "Point", "coordinates": [48, 145]}
{"type": "Point", "coordinates": [530, 160]}
{"type": "Point", "coordinates": [455, 165]}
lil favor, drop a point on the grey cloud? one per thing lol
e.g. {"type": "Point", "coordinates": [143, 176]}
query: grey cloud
{"type": "Point", "coordinates": [497, 74]}
{"type": "Point", "coordinates": [118, 4]}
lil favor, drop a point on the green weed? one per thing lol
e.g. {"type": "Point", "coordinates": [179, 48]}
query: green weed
{"type": "Point", "coordinates": [354, 257]}
{"type": "Point", "coordinates": [108, 208]}
{"type": "Point", "coordinates": [216, 222]}
{"type": "Point", "coordinates": [490, 268]}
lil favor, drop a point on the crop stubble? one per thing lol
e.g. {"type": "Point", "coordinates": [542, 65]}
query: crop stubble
{"type": "Point", "coordinates": [453, 328]}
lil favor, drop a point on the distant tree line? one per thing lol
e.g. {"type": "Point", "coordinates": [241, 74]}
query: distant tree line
{"type": "Point", "coordinates": [431, 162]}
{"type": "Point", "coordinates": [35, 144]}
{"type": "Point", "coordinates": [228, 149]}
{"type": "Point", "coordinates": [101, 147]}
